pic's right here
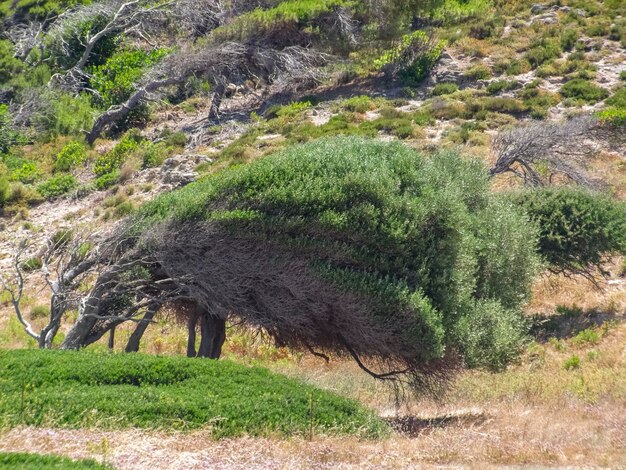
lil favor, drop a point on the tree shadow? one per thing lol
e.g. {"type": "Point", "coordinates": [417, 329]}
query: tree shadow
{"type": "Point", "coordinates": [568, 322]}
{"type": "Point", "coordinates": [412, 426]}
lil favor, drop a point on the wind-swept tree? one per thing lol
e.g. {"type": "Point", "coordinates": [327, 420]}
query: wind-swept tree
{"type": "Point", "coordinates": [342, 246]}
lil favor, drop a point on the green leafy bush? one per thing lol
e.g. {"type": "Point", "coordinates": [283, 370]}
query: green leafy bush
{"type": "Point", "coordinates": [543, 51]}
{"type": "Point", "coordinates": [115, 79]}
{"type": "Point", "coordinates": [82, 389]}
{"type": "Point", "coordinates": [112, 160]}
{"type": "Point", "coordinates": [613, 116]}
{"type": "Point", "coordinates": [9, 65]}
{"type": "Point", "coordinates": [444, 89]}
{"type": "Point", "coordinates": [502, 85]}
{"type": "Point", "coordinates": [72, 155]}
{"type": "Point", "coordinates": [107, 180]}
{"type": "Point", "coordinates": [64, 115]}
{"type": "Point", "coordinates": [578, 229]}
{"type": "Point", "coordinates": [32, 264]}
{"type": "Point", "coordinates": [413, 57]}
{"type": "Point", "coordinates": [584, 91]}
{"type": "Point", "coordinates": [40, 311]}
{"type": "Point", "coordinates": [491, 336]}
{"type": "Point", "coordinates": [57, 186]}
{"type": "Point", "coordinates": [618, 99]}
{"type": "Point", "coordinates": [478, 72]}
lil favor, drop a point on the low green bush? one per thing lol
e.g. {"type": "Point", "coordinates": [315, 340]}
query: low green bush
{"type": "Point", "coordinates": [57, 186]}
{"type": "Point", "coordinates": [40, 311]}
{"type": "Point", "coordinates": [542, 51]}
{"type": "Point", "coordinates": [618, 99]}
{"type": "Point", "coordinates": [107, 180]}
{"type": "Point", "coordinates": [32, 264]}
{"type": "Point", "coordinates": [20, 461]}
{"type": "Point", "coordinates": [478, 72]}
{"type": "Point", "coordinates": [497, 86]}
{"type": "Point", "coordinates": [115, 79]}
{"type": "Point", "coordinates": [584, 91]}
{"type": "Point", "coordinates": [113, 160]}
{"type": "Point", "coordinates": [491, 337]}
{"type": "Point", "coordinates": [72, 155]}
{"type": "Point", "coordinates": [444, 89]}
{"type": "Point", "coordinates": [113, 391]}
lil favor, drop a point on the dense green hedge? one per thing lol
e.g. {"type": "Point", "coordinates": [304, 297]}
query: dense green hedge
{"type": "Point", "coordinates": [82, 389]}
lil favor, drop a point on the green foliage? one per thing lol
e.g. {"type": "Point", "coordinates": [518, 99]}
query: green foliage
{"type": "Point", "coordinates": [259, 21]}
{"type": "Point", "coordinates": [502, 85]}
{"type": "Point", "coordinates": [9, 65]}
{"type": "Point", "coordinates": [40, 311]}
{"type": "Point", "coordinates": [572, 362]}
{"type": "Point", "coordinates": [543, 51]}
{"type": "Point", "coordinates": [618, 99]}
{"type": "Point", "coordinates": [17, 461]}
{"type": "Point", "coordinates": [449, 244]}
{"type": "Point", "coordinates": [478, 72]}
{"type": "Point", "coordinates": [412, 68]}
{"type": "Point", "coordinates": [8, 135]}
{"type": "Point", "coordinates": [613, 116]}
{"type": "Point", "coordinates": [64, 115]}
{"type": "Point", "coordinates": [588, 336]}
{"type": "Point", "coordinates": [36, 9]}
{"type": "Point", "coordinates": [491, 336]}
{"type": "Point", "coordinates": [71, 389]}
{"type": "Point", "coordinates": [112, 160]}
{"type": "Point", "coordinates": [32, 264]}
{"type": "Point", "coordinates": [107, 180]}
{"type": "Point", "coordinates": [359, 104]}
{"type": "Point", "coordinates": [569, 39]}
{"type": "Point", "coordinates": [57, 186]}
{"type": "Point", "coordinates": [583, 91]}
{"type": "Point", "coordinates": [577, 228]}
{"type": "Point", "coordinates": [73, 154]}
{"type": "Point", "coordinates": [444, 89]}
{"type": "Point", "coordinates": [115, 79]}
{"type": "Point", "coordinates": [66, 49]}
{"type": "Point", "coordinates": [22, 170]}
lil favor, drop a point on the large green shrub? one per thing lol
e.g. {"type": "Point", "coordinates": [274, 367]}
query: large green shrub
{"type": "Point", "coordinates": [418, 244]}
{"type": "Point", "coordinates": [578, 229]}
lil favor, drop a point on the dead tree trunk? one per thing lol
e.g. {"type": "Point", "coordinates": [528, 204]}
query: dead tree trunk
{"type": "Point", "coordinates": [216, 102]}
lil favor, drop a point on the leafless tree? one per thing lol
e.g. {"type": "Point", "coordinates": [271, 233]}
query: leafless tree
{"type": "Point", "coordinates": [540, 151]}
{"type": "Point", "coordinates": [134, 17]}
{"type": "Point", "coordinates": [222, 64]}
{"type": "Point", "coordinates": [64, 267]}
